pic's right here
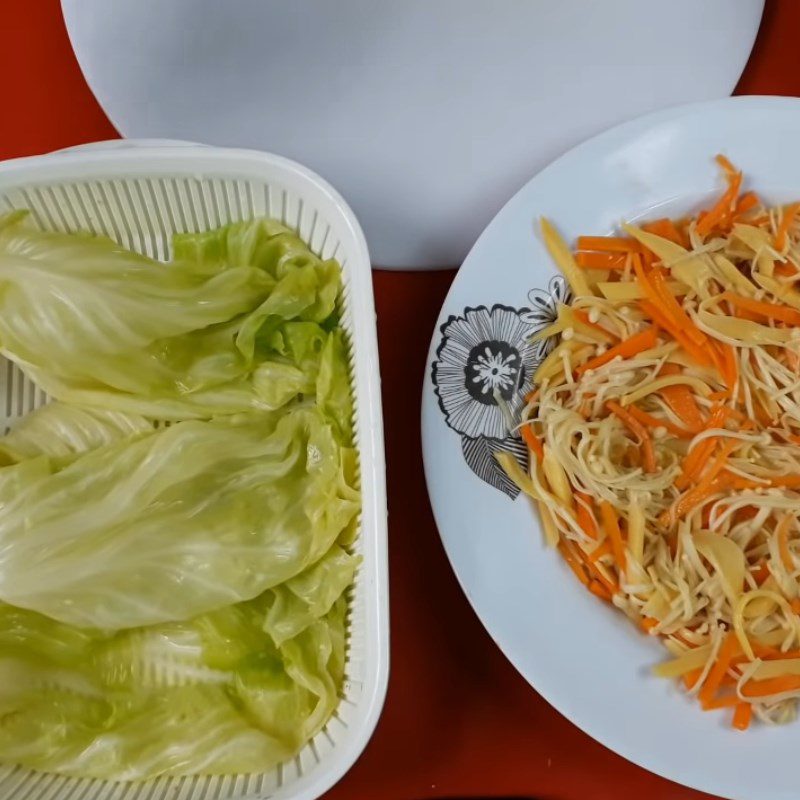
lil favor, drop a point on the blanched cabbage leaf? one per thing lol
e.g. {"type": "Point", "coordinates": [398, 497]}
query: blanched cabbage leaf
{"type": "Point", "coordinates": [184, 520]}
{"type": "Point", "coordinates": [204, 334]}
{"type": "Point", "coordinates": [220, 693]}
{"type": "Point", "coordinates": [64, 432]}
{"type": "Point", "coordinates": [71, 301]}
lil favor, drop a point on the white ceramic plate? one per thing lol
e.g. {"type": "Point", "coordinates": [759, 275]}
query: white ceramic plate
{"type": "Point", "coordinates": [586, 659]}
{"type": "Point", "coordinates": [426, 115]}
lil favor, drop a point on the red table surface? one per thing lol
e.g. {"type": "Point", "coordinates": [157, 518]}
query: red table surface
{"type": "Point", "coordinates": [458, 719]}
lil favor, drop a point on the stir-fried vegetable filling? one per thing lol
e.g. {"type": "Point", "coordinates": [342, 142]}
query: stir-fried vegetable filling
{"type": "Point", "coordinates": [663, 438]}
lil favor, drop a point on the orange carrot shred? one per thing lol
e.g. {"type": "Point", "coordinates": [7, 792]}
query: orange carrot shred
{"type": "Point", "coordinates": [747, 202]}
{"type": "Point", "coordinates": [584, 516]}
{"type": "Point", "coordinates": [611, 527]}
{"type": "Point", "coordinates": [627, 349]}
{"type": "Point", "coordinates": [655, 422]}
{"type": "Point", "coordinates": [638, 430]}
{"type": "Point", "coordinates": [601, 550]}
{"type": "Point", "coordinates": [597, 588]}
{"type": "Point", "coordinates": [728, 701]}
{"type": "Point", "coordinates": [609, 244]}
{"type": "Point", "coordinates": [769, 310]}
{"type": "Point", "coordinates": [786, 482]}
{"type": "Point", "coordinates": [728, 649]}
{"type": "Point", "coordinates": [533, 442]}
{"type": "Point", "coordinates": [601, 260]}
{"type": "Point", "coordinates": [768, 686]}
{"type": "Point", "coordinates": [690, 501]}
{"type": "Point", "coordinates": [698, 455]}
{"type": "Point", "coordinates": [718, 214]}
{"type": "Point", "coordinates": [691, 677]}
{"type": "Point", "coordinates": [785, 271]}
{"type": "Point", "coordinates": [654, 306]}
{"type": "Point", "coordinates": [742, 716]}
{"type": "Point", "coordinates": [676, 312]}
{"type": "Point", "coordinates": [573, 563]}
{"type": "Point", "coordinates": [681, 400]}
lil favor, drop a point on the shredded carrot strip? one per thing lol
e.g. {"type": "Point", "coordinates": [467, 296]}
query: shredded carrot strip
{"type": "Point", "coordinates": [789, 214]}
{"type": "Point", "coordinates": [655, 422]}
{"type": "Point", "coordinates": [594, 570]}
{"type": "Point", "coordinates": [657, 315]}
{"type": "Point", "coordinates": [533, 442]}
{"type": "Point", "coordinates": [573, 562]}
{"type": "Point", "coordinates": [698, 455]}
{"type": "Point", "coordinates": [638, 430]}
{"type": "Point", "coordinates": [627, 349]}
{"type": "Point", "coordinates": [601, 260]}
{"type": "Point", "coordinates": [691, 678]}
{"type": "Point", "coordinates": [786, 482]}
{"type": "Point", "coordinates": [648, 623]}
{"type": "Point", "coordinates": [601, 550]}
{"type": "Point", "coordinates": [691, 338]}
{"type": "Point", "coordinates": [609, 244]}
{"type": "Point", "coordinates": [599, 577]}
{"type": "Point", "coordinates": [742, 716]}
{"type": "Point", "coordinates": [718, 215]}
{"type": "Point", "coordinates": [728, 649]}
{"type": "Point", "coordinates": [768, 686]}
{"type": "Point", "coordinates": [676, 312]}
{"type": "Point", "coordinates": [728, 701]}
{"type": "Point", "coordinates": [694, 461]}
{"type": "Point", "coordinates": [785, 271]}
{"type": "Point", "coordinates": [719, 462]}
{"type": "Point", "coordinates": [747, 202]}
{"type": "Point", "coordinates": [726, 165]}
{"type": "Point", "coordinates": [597, 588]}
{"type": "Point", "coordinates": [681, 400]}
{"type": "Point", "coordinates": [611, 527]}
{"type": "Point", "coordinates": [769, 310]}
{"type": "Point", "coordinates": [691, 500]}
{"type": "Point", "coordinates": [730, 371]}
{"type": "Point", "coordinates": [654, 306]}
{"type": "Point", "coordinates": [584, 516]}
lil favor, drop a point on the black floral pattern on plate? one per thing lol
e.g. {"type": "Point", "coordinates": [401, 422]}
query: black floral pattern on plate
{"type": "Point", "coordinates": [485, 362]}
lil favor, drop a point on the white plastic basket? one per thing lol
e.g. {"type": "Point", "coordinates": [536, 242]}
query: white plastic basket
{"type": "Point", "coordinates": [140, 193]}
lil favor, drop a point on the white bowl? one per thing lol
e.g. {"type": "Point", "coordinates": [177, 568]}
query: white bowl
{"type": "Point", "coordinates": [425, 115]}
{"type": "Point", "coordinates": [140, 194]}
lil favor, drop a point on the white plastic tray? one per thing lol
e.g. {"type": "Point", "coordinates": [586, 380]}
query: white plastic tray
{"type": "Point", "coordinates": [140, 194]}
